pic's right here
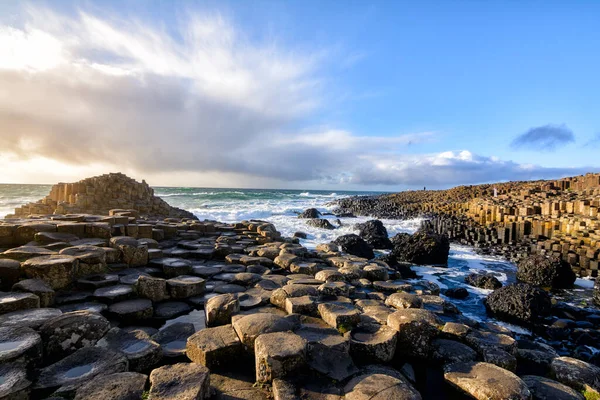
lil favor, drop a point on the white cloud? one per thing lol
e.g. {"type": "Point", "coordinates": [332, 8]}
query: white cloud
{"type": "Point", "coordinates": [88, 93]}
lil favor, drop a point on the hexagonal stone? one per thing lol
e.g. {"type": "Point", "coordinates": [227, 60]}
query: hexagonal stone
{"type": "Point", "coordinates": [173, 339]}
{"type": "Point", "coordinates": [374, 272]}
{"type": "Point", "coordinates": [214, 347]}
{"type": "Point", "coordinates": [39, 288]}
{"type": "Point", "coordinates": [56, 270]}
{"type": "Point", "coordinates": [449, 351]}
{"type": "Point", "coordinates": [119, 386]}
{"type": "Point", "coordinates": [279, 355]}
{"type": "Point", "coordinates": [219, 309]}
{"type": "Point", "coordinates": [94, 282]}
{"type": "Point", "coordinates": [404, 300]}
{"type": "Point", "coordinates": [20, 344]}
{"type": "Point", "coordinates": [32, 318]}
{"type": "Point", "coordinates": [416, 329]}
{"type": "Point", "coordinates": [14, 384]}
{"type": "Point", "coordinates": [65, 334]}
{"type": "Point", "coordinates": [249, 327]}
{"type": "Point", "coordinates": [341, 316]}
{"type": "Point", "coordinates": [305, 305]}
{"type": "Point", "coordinates": [373, 343]}
{"type": "Point", "coordinates": [329, 275]}
{"type": "Point", "coordinates": [185, 286]}
{"type": "Point", "coordinates": [484, 381]}
{"type": "Point", "coordinates": [335, 289]}
{"type": "Point", "coordinates": [378, 382]}
{"type": "Point", "coordinates": [576, 373]}
{"type": "Point", "coordinates": [23, 253]}
{"type": "Point", "coordinates": [142, 352]}
{"type": "Point", "coordinates": [547, 389]}
{"type": "Point", "coordinates": [87, 254]}
{"type": "Point", "coordinates": [193, 382]}
{"type": "Point", "coordinates": [132, 310]}
{"type": "Point", "coordinates": [152, 288]}
{"type": "Point", "coordinates": [79, 368]}
{"type": "Point", "coordinates": [173, 267]}
{"type": "Point", "coordinates": [16, 301]}
{"type": "Point", "coordinates": [171, 309]}
{"type": "Point", "coordinates": [133, 253]}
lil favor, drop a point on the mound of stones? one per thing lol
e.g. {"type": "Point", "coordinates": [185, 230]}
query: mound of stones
{"type": "Point", "coordinates": [197, 310]}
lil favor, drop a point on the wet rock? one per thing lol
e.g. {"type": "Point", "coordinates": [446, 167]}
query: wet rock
{"type": "Point", "coordinates": [77, 369]}
{"type": "Point", "coordinates": [450, 351]}
{"type": "Point", "coordinates": [10, 273]}
{"type": "Point", "coordinates": [377, 382]}
{"type": "Point", "coordinates": [520, 303]}
{"type": "Point", "coordinates": [341, 316]}
{"type": "Point", "coordinates": [119, 386]}
{"type": "Point", "coordinates": [141, 352]}
{"type": "Point", "coordinates": [133, 253]}
{"type": "Point", "coordinates": [192, 382]}
{"type": "Point", "coordinates": [20, 345]}
{"type": "Point", "coordinates": [421, 248]}
{"type": "Point", "coordinates": [219, 309]}
{"type": "Point", "coordinates": [404, 300]}
{"type": "Point", "coordinates": [279, 355]}
{"type": "Point", "coordinates": [416, 330]}
{"type": "Point", "coordinates": [310, 213]}
{"type": "Point", "coordinates": [320, 223]}
{"type": "Point", "coordinates": [170, 310]}
{"type": "Point", "coordinates": [173, 267]}
{"type": "Point", "coordinates": [39, 288]}
{"type": "Point", "coordinates": [483, 281]}
{"type": "Point", "coordinates": [112, 294]}
{"type": "Point", "coordinates": [91, 306]}
{"type": "Point", "coordinates": [93, 282]}
{"type": "Point", "coordinates": [576, 373]}
{"type": "Point", "coordinates": [69, 332]}
{"type": "Point", "coordinates": [484, 381]}
{"type": "Point", "coordinates": [547, 389]}
{"type": "Point", "coordinates": [14, 384]}
{"type": "Point", "coordinates": [56, 270]}
{"type": "Point", "coordinates": [173, 339]}
{"type": "Point", "coordinates": [355, 245]}
{"type": "Point", "coordinates": [16, 301]}
{"type": "Point", "coordinates": [373, 344]}
{"type": "Point", "coordinates": [457, 293]}
{"type": "Point", "coordinates": [375, 234]}
{"type": "Point", "coordinates": [32, 318]}
{"type": "Point", "coordinates": [547, 272]}
{"type": "Point", "coordinates": [185, 286]}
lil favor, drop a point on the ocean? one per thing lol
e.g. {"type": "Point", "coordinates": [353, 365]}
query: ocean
{"type": "Point", "coordinates": [281, 207]}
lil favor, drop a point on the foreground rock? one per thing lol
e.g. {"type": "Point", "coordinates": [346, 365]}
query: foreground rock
{"type": "Point", "coordinates": [546, 272]}
{"type": "Point", "coordinates": [355, 245]}
{"type": "Point", "coordinates": [485, 381]}
{"type": "Point", "coordinates": [520, 303]}
{"type": "Point", "coordinates": [120, 386]}
{"type": "Point", "coordinates": [421, 248]}
{"type": "Point", "coordinates": [183, 381]}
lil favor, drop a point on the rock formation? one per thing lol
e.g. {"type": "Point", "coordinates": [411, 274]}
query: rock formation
{"type": "Point", "coordinates": [100, 195]}
{"type": "Point", "coordinates": [557, 218]}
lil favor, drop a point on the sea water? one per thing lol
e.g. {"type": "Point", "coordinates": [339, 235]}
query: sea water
{"type": "Point", "coordinates": [281, 207]}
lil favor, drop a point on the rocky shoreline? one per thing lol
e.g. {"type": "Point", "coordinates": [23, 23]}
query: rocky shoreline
{"type": "Point", "coordinates": [130, 306]}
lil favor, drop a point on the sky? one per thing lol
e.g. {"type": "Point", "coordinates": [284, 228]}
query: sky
{"type": "Point", "coordinates": [355, 95]}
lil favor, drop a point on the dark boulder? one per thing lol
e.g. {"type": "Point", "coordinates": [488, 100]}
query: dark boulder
{"type": "Point", "coordinates": [310, 213]}
{"type": "Point", "coordinates": [375, 234]}
{"type": "Point", "coordinates": [457, 293]}
{"type": "Point", "coordinates": [547, 272]}
{"type": "Point", "coordinates": [483, 281]}
{"type": "Point", "coordinates": [520, 303]}
{"type": "Point", "coordinates": [320, 223]}
{"type": "Point", "coordinates": [421, 248]}
{"type": "Point", "coordinates": [355, 245]}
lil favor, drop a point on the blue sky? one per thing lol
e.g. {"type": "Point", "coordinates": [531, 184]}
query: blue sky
{"type": "Point", "coordinates": [381, 95]}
